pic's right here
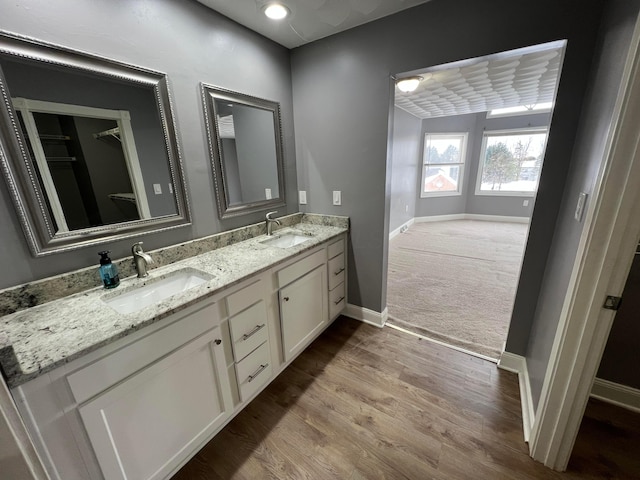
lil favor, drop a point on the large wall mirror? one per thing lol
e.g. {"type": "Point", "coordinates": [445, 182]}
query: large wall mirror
{"type": "Point", "coordinates": [245, 144]}
{"type": "Point", "coordinates": [87, 146]}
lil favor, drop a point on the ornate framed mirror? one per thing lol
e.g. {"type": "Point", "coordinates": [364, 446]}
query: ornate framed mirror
{"type": "Point", "coordinates": [245, 146]}
{"type": "Point", "coordinates": [87, 146]}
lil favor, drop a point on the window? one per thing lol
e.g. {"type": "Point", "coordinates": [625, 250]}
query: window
{"type": "Point", "coordinates": [510, 162]}
{"type": "Point", "coordinates": [443, 163]}
{"type": "Point", "coordinates": [520, 110]}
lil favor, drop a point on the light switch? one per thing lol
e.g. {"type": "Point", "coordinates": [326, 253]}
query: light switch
{"type": "Point", "coordinates": [170, 187]}
{"type": "Point", "coordinates": [525, 203]}
{"type": "Point", "coordinates": [157, 189]}
{"type": "Point", "coordinates": [337, 197]}
{"type": "Point", "coordinates": [267, 193]}
{"type": "Point", "coordinates": [302, 197]}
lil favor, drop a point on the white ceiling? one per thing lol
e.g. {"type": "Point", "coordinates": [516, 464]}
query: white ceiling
{"type": "Point", "coordinates": [519, 77]}
{"type": "Point", "coordinates": [310, 19]}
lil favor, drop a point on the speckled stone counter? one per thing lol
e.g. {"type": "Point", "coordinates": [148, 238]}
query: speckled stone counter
{"type": "Point", "coordinates": [38, 339]}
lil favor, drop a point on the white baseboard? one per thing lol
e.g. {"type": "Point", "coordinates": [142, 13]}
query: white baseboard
{"type": "Point", "coordinates": [400, 228]}
{"type": "Point", "coordinates": [495, 218]}
{"type": "Point", "coordinates": [617, 394]}
{"type": "Point", "coordinates": [440, 218]}
{"type": "Point", "coordinates": [472, 216]}
{"type": "Point", "coordinates": [518, 364]}
{"type": "Point", "coordinates": [377, 319]}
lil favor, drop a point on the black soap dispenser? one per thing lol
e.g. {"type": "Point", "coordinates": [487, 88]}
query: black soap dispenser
{"type": "Point", "coordinates": [108, 271]}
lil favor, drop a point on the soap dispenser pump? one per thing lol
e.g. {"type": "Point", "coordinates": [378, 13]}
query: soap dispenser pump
{"type": "Point", "coordinates": [108, 271]}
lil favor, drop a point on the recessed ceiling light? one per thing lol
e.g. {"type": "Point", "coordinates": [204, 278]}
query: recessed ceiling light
{"type": "Point", "coordinates": [276, 11]}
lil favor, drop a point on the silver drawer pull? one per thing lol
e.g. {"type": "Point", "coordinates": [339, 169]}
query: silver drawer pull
{"type": "Point", "coordinates": [339, 271]}
{"type": "Point", "coordinates": [257, 372]}
{"type": "Point", "coordinates": [255, 330]}
{"type": "Point", "coordinates": [341, 298]}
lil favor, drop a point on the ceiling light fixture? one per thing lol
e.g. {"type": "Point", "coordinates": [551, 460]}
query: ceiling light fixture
{"type": "Point", "coordinates": [276, 11]}
{"type": "Point", "coordinates": [408, 84]}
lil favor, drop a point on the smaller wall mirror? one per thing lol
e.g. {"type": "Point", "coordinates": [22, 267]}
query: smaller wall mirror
{"type": "Point", "coordinates": [245, 144]}
{"type": "Point", "coordinates": [87, 146]}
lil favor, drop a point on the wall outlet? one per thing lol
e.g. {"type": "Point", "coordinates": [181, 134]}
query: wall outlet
{"type": "Point", "coordinates": [267, 193]}
{"type": "Point", "coordinates": [525, 203]}
{"type": "Point", "coordinates": [302, 197]}
{"type": "Point", "coordinates": [406, 208]}
{"type": "Point", "coordinates": [157, 189]}
{"type": "Point", "coordinates": [337, 197]}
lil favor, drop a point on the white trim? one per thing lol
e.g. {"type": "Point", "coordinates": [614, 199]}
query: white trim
{"type": "Point", "coordinates": [377, 319]}
{"type": "Point", "coordinates": [518, 364]}
{"type": "Point", "coordinates": [605, 252]}
{"type": "Point", "coordinates": [444, 344]}
{"type": "Point", "coordinates": [617, 394]}
{"type": "Point", "coordinates": [471, 216]}
{"type": "Point", "coordinates": [398, 230]}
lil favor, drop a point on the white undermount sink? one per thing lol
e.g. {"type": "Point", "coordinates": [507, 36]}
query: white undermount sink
{"type": "Point", "coordinates": [286, 241]}
{"type": "Point", "coordinates": [154, 291]}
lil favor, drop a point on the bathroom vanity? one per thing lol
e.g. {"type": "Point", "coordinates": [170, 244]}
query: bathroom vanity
{"type": "Point", "coordinates": [135, 395]}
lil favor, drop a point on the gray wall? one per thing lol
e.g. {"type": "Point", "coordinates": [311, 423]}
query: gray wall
{"type": "Point", "coordinates": [190, 43]}
{"type": "Point", "coordinates": [405, 167]}
{"type": "Point", "coordinates": [468, 201]}
{"type": "Point", "coordinates": [613, 43]}
{"type": "Point", "coordinates": [343, 93]}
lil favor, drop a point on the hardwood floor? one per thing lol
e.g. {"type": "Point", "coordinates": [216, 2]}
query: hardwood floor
{"type": "Point", "coordinates": [369, 403]}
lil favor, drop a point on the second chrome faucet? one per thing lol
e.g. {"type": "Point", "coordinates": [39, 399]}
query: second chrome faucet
{"type": "Point", "coordinates": [141, 259]}
{"type": "Point", "coordinates": [270, 221]}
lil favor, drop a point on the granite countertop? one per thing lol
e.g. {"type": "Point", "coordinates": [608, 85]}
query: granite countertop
{"type": "Point", "coordinates": [39, 339]}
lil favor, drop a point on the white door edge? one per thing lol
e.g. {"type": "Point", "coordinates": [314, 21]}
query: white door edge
{"type": "Point", "coordinates": [604, 257]}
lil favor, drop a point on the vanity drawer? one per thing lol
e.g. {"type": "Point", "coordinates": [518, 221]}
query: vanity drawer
{"type": "Point", "coordinates": [336, 271]}
{"type": "Point", "coordinates": [301, 268]}
{"type": "Point", "coordinates": [337, 300]}
{"type": "Point", "coordinates": [249, 330]}
{"type": "Point", "coordinates": [236, 302]}
{"type": "Point", "coordinates": [335, 248]}
{"type": "Point", "coordinates": [113, 368]}
{"type": "Point", "coordinates": [254, 371]}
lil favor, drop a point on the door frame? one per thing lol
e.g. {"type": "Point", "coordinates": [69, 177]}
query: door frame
{"type": "Point", "coordinates": [605, 253]}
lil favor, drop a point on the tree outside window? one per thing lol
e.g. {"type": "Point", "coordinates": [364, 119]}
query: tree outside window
{"type": "Point", "coordinates": [511, 162]}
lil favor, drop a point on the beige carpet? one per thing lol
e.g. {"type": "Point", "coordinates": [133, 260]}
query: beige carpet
{"type": "Point", "coordinates": [455, 281]}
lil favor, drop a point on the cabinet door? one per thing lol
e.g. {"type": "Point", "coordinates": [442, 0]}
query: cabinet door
{"type": "Point", "coordinates": [146, 425]}
{"type": "Point", "coordinates": [303, 310]}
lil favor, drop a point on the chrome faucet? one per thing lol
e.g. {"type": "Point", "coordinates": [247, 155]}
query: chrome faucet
{"type": "Point", "coordinates": [270, 222]}
{"type": "Point", "coordinates": [141, 259]}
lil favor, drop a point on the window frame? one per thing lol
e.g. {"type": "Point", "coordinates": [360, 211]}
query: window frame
{"type": "Point", "coordinates": [508, 132]}
{"type": "Point", "coordinates": [461, 164]}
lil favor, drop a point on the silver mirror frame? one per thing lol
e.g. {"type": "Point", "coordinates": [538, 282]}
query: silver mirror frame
{"type": "Point", "coordinates": [225, 210]}
{"type": "Point", "coordinates": [18, 168]}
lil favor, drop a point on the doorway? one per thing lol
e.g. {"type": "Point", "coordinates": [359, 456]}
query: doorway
{"type": "Point", "coordinates": [468, 150]}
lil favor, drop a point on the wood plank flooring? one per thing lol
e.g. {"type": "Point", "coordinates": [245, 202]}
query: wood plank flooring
{"type": "Point", "coordinates": [369, 403]}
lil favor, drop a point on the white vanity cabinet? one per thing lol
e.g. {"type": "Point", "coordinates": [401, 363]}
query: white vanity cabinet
{"type": "Point", "coordinates": [336, 273]}
{"type": "Point", "coordinates": [303, 302]}
{"type": "Point", "coordinates": [249, 328]}
{"type": "Point", "coordinates": [141, 406]}
{"type": "Point", "coordinates": [144, 426]}
{"type": "Point", "coordinates": [138, 408]}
